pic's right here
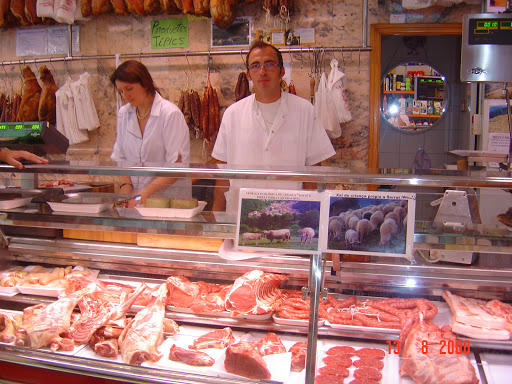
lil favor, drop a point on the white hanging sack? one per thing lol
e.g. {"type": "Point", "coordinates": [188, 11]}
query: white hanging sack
{"type": "Point", "coordinates": [44, 8]}
{"type": "Point", "coordinates": [65, 11]}
{"type": "Point", "coordinates": [336, 85]}
{"type": "Point", "coordinates": [325, 110]}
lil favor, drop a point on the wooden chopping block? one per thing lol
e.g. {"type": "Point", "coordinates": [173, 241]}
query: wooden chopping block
{"type": "Point", "coordinates": [113, 237]}
{"type": "Point", "coordinates": [179, 242]}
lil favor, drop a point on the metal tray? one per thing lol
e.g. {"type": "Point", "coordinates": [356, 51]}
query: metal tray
{"type": "Point", "coordinates": [87, 202]}
{"type": "Point", "coordinates": [15, 197]}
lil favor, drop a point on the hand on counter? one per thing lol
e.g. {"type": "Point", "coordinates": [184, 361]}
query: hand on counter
{"type": "Point", "coordinates": [13, 157]}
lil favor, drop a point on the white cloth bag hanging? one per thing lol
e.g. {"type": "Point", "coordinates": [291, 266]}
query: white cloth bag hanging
{"type": "Point", "coordinates": [325, 109]}
{"type": "Point", "coordinates": [336, 85]}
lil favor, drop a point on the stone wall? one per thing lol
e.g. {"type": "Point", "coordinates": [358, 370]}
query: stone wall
{"type": "Point", "coordinates": [337, 23]}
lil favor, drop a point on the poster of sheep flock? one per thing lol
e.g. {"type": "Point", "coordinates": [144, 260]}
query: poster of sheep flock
{"type": "Point", "coordinates": [279, 220]}
{"type": "Point", "coordinates": [369, 223]}
{"type": "Point", "coordinates": [304, 222]}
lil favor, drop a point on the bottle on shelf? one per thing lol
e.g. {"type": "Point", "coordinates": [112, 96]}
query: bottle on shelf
{"type": "Point", "coordinates": [385, 104]}
{"type": "Point", "coordinates": [402, 103]}
{"type": "Point", "coordinates": [408, 105]}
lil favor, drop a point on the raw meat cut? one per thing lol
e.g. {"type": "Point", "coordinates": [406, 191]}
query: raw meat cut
{"type": "Point", "coordinates": [107, 348]}
{"type": "Point", "coordinates": [341, 350]}
{"type": "Point", "coordinates": [476, 318]}
{"type": "Point", "coordinates": [369, 362]}
{"type": "Point", "coordinates": [334, 370]}
{"type": "Point", "coordinates": [7, 329]}
{"type": "Point", "coordinates": [62, 344]}
{"type": "Point", "coordinates": [255, 292]}
{"type": "Point", "coordinates": [31, 91]}
{"type": "Point", "coordinates": [220, 338]}
{"type": "Point", "coordinates": [97, 309]}
{"type": "Point", "coordinates": [433, 367]}
{"type": "Point", "coordinates": [243, 360]}
{"type": "Point", "coordinates": [182, 292]}
{"type": "Point", "coordinates": [338, 361]}
{"type": "Point", "coordinates": [42, 322]}
{"type": "Point", "coordinates": [271, 344]}
{"type": "Point", "coordinates": [367, 373]}
{"type": "Point", "coordinates": [328, 379]}
{"type": "Point", "coordinates": [210, 302]}
{"type": "Point", "coordinates": [299, 351]}
{"type": "Point", "coordinates": [196, 358]}
{"type": "Point", "coordinates": [141, 338]}
{"type": "Point", "coordinates": [470, 311]}
{"type": "Point", "coordinates": [374, 353]}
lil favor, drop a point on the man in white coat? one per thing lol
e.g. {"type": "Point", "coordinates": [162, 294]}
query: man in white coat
{"type": "Point", "coordinates": [268, 128]}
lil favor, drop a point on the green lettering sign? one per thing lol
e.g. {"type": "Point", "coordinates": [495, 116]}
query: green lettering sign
{"type": "Point", "coordinates": [169, 33]}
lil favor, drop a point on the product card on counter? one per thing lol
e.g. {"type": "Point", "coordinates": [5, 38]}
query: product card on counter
{"type": "Point", "coordinates": [284, 221]}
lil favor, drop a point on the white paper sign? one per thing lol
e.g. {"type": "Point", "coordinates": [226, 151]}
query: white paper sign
{"type": "Point", "coordinates": [46, 41]}
{"type": "Point", "coordinates": [498, 143]}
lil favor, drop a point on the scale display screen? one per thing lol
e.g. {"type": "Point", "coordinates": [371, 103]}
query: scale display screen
{"type": "Point", "coordinates": [28, 132]}
{"type": "Point", "coordinates": [34, 136]}
{"type": "Point", "coordinates": [15, 131]}
{"type": "Point", "coordinates": [490, 31]}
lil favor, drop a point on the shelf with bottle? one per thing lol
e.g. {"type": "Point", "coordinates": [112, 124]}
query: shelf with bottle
{"type": "Point", "coordinates": [423, 116]}
{"type": "Point", "coordinates": [398, 92]}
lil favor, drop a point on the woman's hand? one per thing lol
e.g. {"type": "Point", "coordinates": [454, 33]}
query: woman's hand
{"type": "Point", "coordinates": [12, 157]}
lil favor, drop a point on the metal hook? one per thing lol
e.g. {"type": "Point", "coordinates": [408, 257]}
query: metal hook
{"type": "Point", "coordinates": [243, 60]}
{"type": "Point", "coordinates": [53, 68]}
{"type": "Point", "coordinates": [301, 59]}
{"type": "Point", "coordinates": [140, 57]}
{"type": "Point", "coordinates": [189, 68]}
{"type": "Point", "coordinates": [83, 64]}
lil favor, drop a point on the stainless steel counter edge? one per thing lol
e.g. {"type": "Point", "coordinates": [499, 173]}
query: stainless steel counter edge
{"type": "Point", "coordinates": [430, 177]}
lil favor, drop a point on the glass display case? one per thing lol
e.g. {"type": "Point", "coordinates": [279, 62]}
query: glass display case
{"type": "Point", "coordinates": [125, 246]}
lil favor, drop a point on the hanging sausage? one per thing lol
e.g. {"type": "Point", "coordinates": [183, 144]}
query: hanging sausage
{"type": "Point", "coordinates": [242, 87]}
{"type": "Point", "coordinates": [210, 114]}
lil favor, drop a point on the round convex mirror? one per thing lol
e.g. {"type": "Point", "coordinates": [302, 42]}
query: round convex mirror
{"type": "Point", "coordinates": [413, 97]}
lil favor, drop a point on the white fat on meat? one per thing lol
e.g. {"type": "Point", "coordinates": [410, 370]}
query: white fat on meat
{"type": "Point", "coordinates": [140, 339]}
{"type": "Point", "coordinates": [469, 318]}
{"type": "Point", "coordinates": [485, 333]}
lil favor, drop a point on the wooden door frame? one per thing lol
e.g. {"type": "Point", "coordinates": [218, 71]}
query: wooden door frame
{"type": "Point", "coordinates": [376, 33]}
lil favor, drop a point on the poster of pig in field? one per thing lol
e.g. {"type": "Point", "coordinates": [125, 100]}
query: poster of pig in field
{"type": "Point", "coordinates": [369, 223]}
{"type": "Point", "coordinates": [283, 221]}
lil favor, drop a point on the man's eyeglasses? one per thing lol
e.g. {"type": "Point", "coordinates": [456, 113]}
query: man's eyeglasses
{"type": "Point", "coordinates": [269, 66]}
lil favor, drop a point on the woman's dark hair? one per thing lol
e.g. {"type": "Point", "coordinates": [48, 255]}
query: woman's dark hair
{"type": "Point", "coordinates": [259, 44]}
{"type": "Point", "coordinates": [133, 71]}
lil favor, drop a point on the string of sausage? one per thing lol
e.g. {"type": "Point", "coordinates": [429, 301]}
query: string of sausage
{"type": "Point", "coordinates": [396, 313]}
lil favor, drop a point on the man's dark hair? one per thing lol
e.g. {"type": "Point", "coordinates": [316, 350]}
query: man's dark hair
{"type": "Point", "coordinates": [261, 44]}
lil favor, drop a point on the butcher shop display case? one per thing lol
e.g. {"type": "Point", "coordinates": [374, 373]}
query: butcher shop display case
{"type": "Point", "coordinates": [152, 295]}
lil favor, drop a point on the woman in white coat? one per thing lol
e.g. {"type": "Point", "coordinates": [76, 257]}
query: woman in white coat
{"type": "Point", "coordinates": [150, 131]}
